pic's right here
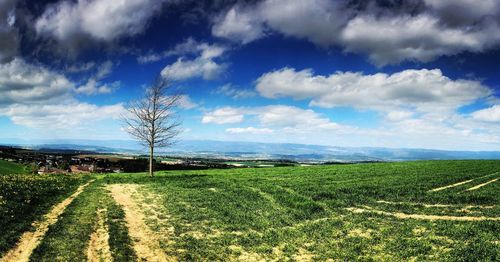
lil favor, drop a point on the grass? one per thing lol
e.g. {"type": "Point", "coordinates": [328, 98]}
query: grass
{"type": "Point", "coordinates": [8, 168]}
{"type": "Point", "coordinates": [26, 198]}
{"type": "Point", "coordinates": [296, 213]}
{"type": "Point", "coordinates": [67, 240]}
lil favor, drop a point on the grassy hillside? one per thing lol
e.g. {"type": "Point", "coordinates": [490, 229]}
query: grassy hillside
{"type": "Point", "coordinates": [428, 210]}
{"type": "Point", "coordinates": [7, 168]}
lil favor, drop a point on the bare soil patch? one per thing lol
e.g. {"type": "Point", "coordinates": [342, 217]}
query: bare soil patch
{"type": "Point", "coordinates": [30, 240]}
{"type": "Point", "coordinates": [98, 248]}
{"type": "Point", "coordinates": [146, 242]}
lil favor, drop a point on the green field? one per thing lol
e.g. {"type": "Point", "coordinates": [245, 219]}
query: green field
{"type": "Point", "coordinates": [360, 212]}
{"type": "Point", "coordinates": [7, 168]}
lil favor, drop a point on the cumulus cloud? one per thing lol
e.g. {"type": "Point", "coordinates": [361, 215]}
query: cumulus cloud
{"type": "Point", "coordinates": [239, 24]}
{"type": "Point", "coordinates": [491, 114]}
{"type": "Point", "coordinates": [184, 69]}
{"type": "Point", "coordinates": [203, 65]}
{"type": "Point", "coordinates": [250, 130]}
{"type": "Point", "coordinates": [62, 116]}
{"type": "Point", "coordinates": [101, 20]}
{"type": "Point", "coordinates": [421, 90]}
{"type": "Point", "coordinates": [413, 30]}
{"type": "Point", "coordinates": [94, 86]}
{"type": "Point", "coordinates": [393, 39]}
{"type": "Point", "coordinates": [286, 118]}
{"type": "Point", "coordinates": [21, 82]}
{"type": "Point", "coordinates": [34, 96]}
{"type": "Point", "coordinates": [9, 34]}
{"type": "Point", "coordinates": [225, 115]}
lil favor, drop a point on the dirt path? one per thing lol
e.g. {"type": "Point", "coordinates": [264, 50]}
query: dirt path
{"type": "Point", "coordinates": [30, 240]}
{"type": "Point", "coordinates": [146, 242]}
{"type": "Point", "coordinates": [460, 183]}
{"type": "Point", "coordinates": [434, 205]}
{"type": "Point", "coordinates": [450, 186]}
{"type": "Point", "coordinates": [483, 184]}
{"type": "Point", "coordinates": [421, 216]}
{"type": "Point", "coordinates": [98, 249]}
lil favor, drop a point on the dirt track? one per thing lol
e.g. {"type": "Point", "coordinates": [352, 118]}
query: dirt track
{"type": "Point", "coordinates": [98, 248]}
{"type": "Point", "coordinates": [481, 185]}
{"type": "Point", "coordinates": [146, 242]}
{"type": "Point", "coordinates": [30, 240]}
{"type": "Point", "coordinates": [421, 216]}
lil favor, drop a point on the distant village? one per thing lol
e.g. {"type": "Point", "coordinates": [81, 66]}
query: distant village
{"type": "Point", "coordinates": [47, 161]}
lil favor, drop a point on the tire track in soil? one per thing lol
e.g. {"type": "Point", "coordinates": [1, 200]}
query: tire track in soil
{"type": "Point", "coordinates": [98, 247]}
{"type": "Point", "coordinates": [481, 185]}
{"type": "Point", "coordinates": [145, 242]}
{"type": "Point", "coordinates": [31, 239]}
{"type": "Point", "coordinates": [421, 216]}
{"type": "Point", "coordinates": [460, 183]}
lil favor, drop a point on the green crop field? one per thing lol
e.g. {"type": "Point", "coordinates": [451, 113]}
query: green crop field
{"type": "Point", "coordinates": [423, 211]}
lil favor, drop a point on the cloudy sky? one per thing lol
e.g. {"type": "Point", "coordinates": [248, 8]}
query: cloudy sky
{"type": "Point", "coordinates": [391, 73]}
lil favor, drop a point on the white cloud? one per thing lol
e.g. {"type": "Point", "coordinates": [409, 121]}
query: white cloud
{"type": "Point", "coordinates": [104, 70]}
{"type": "Point", "coordinates": [292, 117]}
{"type": "Point", "coordinates": [389, 40]}
{"type": "Point", "coordinates": [62, 116]}
{"type": "Point", "coordinates": [21, 82]}
{"type": "Point", "coordinates": [491, 114]}
{"type": "Point", "coordinates": [291, 124]}
{"type": "Point", "coordinates": [422, 90]}
{"type": "Point", "coordinates": [387, 34]}
{"type": "Point", "coordinates": [34, 96]}
{"type": "Point", "coordinates": [396, 116]}
{"type": "Point", "coordinates": [185, 102]}
{"type": "Point", "coordinates": [234, 92]}
{"type": "Point", "coordinates": [203, 66]}
{"type": "Point", "coordinates": [100, 19]}
{"type": "Point", "coordinates": [239, 24]}
{"type": "Point", "coordinates": [225, 115]}
{"type": "Point", "coordinates": [286, 118]}
{"type": "Point", "coordinates": [249, 130]}
{"type": "Point", "coordinates": [190, 46]}
{"type": "Point", "coordinates": [92, 87]}
{"type": "Point", "coordinates": [184, 69]}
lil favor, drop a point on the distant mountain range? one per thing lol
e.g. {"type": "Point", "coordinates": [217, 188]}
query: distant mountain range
{"type": "Point", "coordinates": [252, 150]}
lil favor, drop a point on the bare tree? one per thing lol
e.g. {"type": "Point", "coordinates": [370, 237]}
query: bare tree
{"type": "Point", "coordinates": [153, 120]}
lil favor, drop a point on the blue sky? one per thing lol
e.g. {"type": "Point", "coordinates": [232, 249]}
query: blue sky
{"type": "Point", "coordinates": [413, 74]}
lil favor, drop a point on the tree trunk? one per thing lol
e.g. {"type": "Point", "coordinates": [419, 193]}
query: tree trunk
{"type": "Point", "coordinates": [151, 161]}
